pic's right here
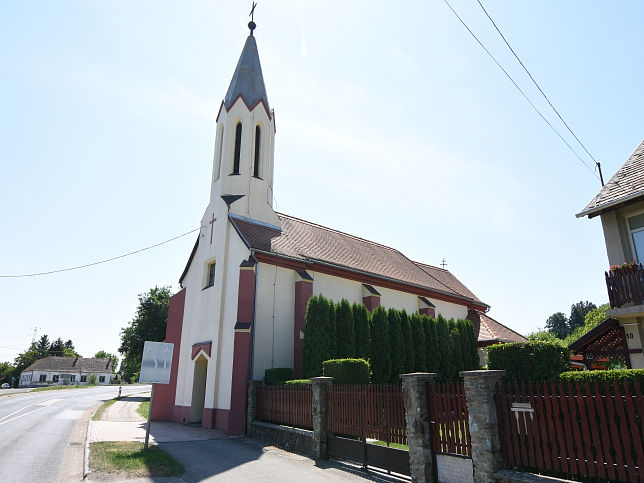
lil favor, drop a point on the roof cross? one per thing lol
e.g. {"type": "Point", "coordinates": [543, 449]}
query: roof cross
{"type": "Point", "coordinates": [443, 263]}
{"type": "Point", "coordinates": [252, 11]}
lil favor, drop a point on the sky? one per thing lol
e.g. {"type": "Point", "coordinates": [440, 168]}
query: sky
{"type": "Point", "coordinates": [392, 123]}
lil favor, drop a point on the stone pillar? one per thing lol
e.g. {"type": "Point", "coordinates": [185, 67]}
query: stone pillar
{"type": "Point", "coordinates": [418, 431]}
{"type": "Point", "coordinates": [251, 405]}
{"type": "Point", "coordinates": [480, 387]}
{"type": "Point", "coordinates": [319, 390]}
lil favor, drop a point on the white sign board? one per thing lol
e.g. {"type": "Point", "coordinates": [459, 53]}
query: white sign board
{"type": "Point", "coordinates": [156, 362]}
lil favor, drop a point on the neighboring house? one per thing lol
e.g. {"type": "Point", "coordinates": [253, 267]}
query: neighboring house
{"type": "Point", "coordinates": [54, 370]}
{"type": "Point", "coordinates": [252, 271]}
{"type": "Point", "coordinates": [492, 332]}
{"type": "Point", "coordinates": [620, 205]}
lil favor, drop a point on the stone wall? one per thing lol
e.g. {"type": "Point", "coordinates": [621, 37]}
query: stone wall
{"type": "Point", "coordinates": [297, 440]}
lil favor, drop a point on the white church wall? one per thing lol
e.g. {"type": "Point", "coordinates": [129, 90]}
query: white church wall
{"type": "Point", "coordinates": [394, 299]}
{"type": "Point", "coordinates": [274, 319]}
{"type": "Point", "coordinates": [449, 310]}
{"type": "Point", "coordinates": [336, 288]}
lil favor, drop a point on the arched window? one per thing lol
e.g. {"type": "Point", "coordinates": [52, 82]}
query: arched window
{"type": "Point", "coordinates": [238, 134]}
{"type": "Point", "coordinates": [258, 132]}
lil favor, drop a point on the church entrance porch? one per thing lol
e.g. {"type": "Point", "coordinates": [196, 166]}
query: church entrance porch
{"type": "Point", "coordinates": [198, 389]}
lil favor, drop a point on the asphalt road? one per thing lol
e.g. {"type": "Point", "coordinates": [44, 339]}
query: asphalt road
{"type": "Point", "coordinates": [42, 434]}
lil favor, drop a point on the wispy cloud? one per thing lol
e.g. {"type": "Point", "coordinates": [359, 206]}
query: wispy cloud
{"type": "Point", "coordinates": [27, 74]}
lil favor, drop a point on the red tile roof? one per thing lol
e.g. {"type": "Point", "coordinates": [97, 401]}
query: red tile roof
{"type": "Point", "coordinates": [309, 242]}
{"type": "Point", "coordinates": [493, 331]}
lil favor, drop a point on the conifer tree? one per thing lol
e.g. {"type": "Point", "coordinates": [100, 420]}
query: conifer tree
{"type": "Point", "coordinates": [408, 343]}
{"type": "Point", "coordinates": [316, 337]}
{"type": "Point", "coordinates": [418, 339]}
{"type": "Point", "coordinates": [361, 330]}
{"type": "Point", "coordinates": [344, 331]}
{"type": "Point", "coordinates": [473, 351]}
{"type": "Point", "coordinates": [380, 347]}
{"type": "Point", "coordinates": [445, 364]}
{"type": "Point", "coordinates": [457, 353]}
{"type": "Point", "coordinates": [397, 348]}
{"type": "Point", "coordinates": [433, 352]}
{"type": "Point", "coordinates": [333, 341]}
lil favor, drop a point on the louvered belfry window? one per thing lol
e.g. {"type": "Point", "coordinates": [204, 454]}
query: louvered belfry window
{"type": "Point", "coordinates": [258, 132]}
{"type": "Point", "coordinates": [238, 135]}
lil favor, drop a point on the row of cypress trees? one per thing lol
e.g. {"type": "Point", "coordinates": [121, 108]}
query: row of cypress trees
{"type": "Point", "coordinates": [394, 341]}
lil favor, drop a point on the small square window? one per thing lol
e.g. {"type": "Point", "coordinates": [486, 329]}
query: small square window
{"type": "Point", "coordinates": [43, 378]}
{"type": "Point", "coordinates": [73, 378]}
{"type": "Point", "coordinates": [101, 378]}
{"type": "Point", "coordinates": [211, 275]}
{"type": "Point", "coordinates": [56, 378]}
{"type": "Point", "coordinates": [83, 379]}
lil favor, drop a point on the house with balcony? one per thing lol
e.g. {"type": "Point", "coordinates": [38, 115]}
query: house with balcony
{"type": "Point", "coordinates": [620, 206]}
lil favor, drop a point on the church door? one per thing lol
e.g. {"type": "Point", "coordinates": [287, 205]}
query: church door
{"type": "Point", "coordinates": [198, 389]}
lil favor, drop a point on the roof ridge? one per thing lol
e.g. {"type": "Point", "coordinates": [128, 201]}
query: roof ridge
{"type": "Point", "coordinates": [503, 325]}
{"type": "Point", "coordinates": [440, 281]}
{"type": "Point", "coordinates": [432, 266]}
{"type": "Point", "coordinates": [342, 233]}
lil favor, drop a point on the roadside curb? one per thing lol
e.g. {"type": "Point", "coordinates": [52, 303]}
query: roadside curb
{"type": "Point", "coordinates": [86, 452]}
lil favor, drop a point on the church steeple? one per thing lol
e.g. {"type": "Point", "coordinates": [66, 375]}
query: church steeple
{"type": "Point", "coordinates": [247, 80]}
{"type": "Point", "coordinates": [245, 142]}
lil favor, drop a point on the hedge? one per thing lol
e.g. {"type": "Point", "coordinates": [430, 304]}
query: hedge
{"type": "Point", "coordinates": [408, 343]}
{"type": "Point", "coordinates": [347, 371]}
{"type": "Point", "coordinates": [277, 375]}
{"type": "Point", "coordinates": [297, 382]}
{"type": "Point", "coordinates": [345, 335]}
{"type": "Point", "coordinates": [600, 377]}
{"type": "Point", "coordinates": [529, 361]}
{"type": "Point", "coordinates": [361, 331]}
{"type": "Point", "coordinates": [445, 367]}
{"type": "Point", "coordinates": [418, 338]}
{"type": "Point", "coordinates": [397, 348]}
{"type": "Point", "coordinates": [317, 340]}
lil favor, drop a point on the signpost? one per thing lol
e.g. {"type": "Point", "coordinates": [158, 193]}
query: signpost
{"type": "Point", "coordinates": [155, 368]}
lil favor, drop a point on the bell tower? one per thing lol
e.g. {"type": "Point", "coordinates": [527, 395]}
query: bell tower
{"type": "Point", "coordinates": [244, 143]}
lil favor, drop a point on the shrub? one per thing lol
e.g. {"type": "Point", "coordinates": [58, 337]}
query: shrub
{"type": "Point", "coordinates": [397, 349]}
{"type": "Point", "coordinates": [600, 377]}
{"type": "Point", "coordinates": [380, 347]}
{"type": "Point", "coordinates": [297, 382]}
{"type": "Point", "coordinates": [408, 343]}
{"type": "Point", "coordinates": [91, 380]}
{"type": "Point", "coordinates": [316, 336]}
{"type": "Point", "coordinates": [445, 368]}
{"type": "Point", "coordinates": [361, 331]}
{"type": "Point", "coordinates": [529, 361]}
{"type": "Point", "coordinates": [347, 371]}
{"type": "Point", "coordinates": [345, 335]}
{"type": "Point", "coordinates": [418, 339]}
{"type": "Point", "coordinates": [277, 375]}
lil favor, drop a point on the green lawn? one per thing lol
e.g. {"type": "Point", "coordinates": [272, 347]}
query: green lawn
{"type": "Point", "coordinates": [129, 459]}
{"type": "Point", "coordinates": [99, 412]}
{"type": "Point", "coordinates": [391, 445]}
{"type": "Point", "coordinates": [144, 408]}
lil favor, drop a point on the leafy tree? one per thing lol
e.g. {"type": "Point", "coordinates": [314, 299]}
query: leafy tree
{"type": "Point", "coordinates": [592, 320]}
{"type": "Point", "coordinates": [396, 341]}
{"type": "Point", "coordinates": [418, 339]}
{"type": "Point", "coordinates": [558, 324]}
{"type": "Point", "coordinates": [544, 336]}
{"type": "Point", "coordinates": [578, 313]}
{"type": "Point", "coordinates": [107, 355]}
{"type": "Point", "coordinates": [69, 350]}
{"type": "Point", "coordinates": [345, 334]}
{"type": "Point", "coordinates": [56, 348]}
{"type": "Point", "coordinates": [316, 337]}
{"type": "Point", "coordinates": [91, 380]}
{"type": "Point", "coordinates": [7, 371]}
{"type": "Point", "coordinates": [42, 346]}
{"type": "Point", "coordinates": [149, 323]}
{"type": "Point", "coordinates": [408, 343]}
{"type": "Point", "coordinates": [380, 347]}
{"type": "Point", "coordinates": [361, 331]}
{"type": "Point", "coordinates": [26, 358]}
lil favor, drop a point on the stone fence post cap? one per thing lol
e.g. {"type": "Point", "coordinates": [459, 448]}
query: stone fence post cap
{"type": "Point", "coordinates": [419, 375]}
{"type": "Point", "coordinates": [322, 379]}
{"type": "Point", "coordinates": [483, 373]}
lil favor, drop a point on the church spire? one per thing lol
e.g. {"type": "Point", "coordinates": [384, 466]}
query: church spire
{"type": "Point", "coordinates": [247, 80]}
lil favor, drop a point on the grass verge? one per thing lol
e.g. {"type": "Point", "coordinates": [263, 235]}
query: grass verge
{"type": "Point", "coordinates": [129, 459]}
{"type": "Point", "coordinates": [99, 412]}
{"type": "Point", "coordinates": [144, 408]}
{"type": "Point", "coordinates": [391, 445]}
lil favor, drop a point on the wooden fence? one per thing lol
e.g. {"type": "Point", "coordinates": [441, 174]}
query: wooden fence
{"type": "Point", "coordinates": [448, 418]}
{"type": "Point", "coordinates": [367, 411]}
{"type": "Point", "coordinates": [589, 431]}
{"type": "Point", "coordinates": [288, 405]}
{"type": "Point", "coordinates": [625, 285]}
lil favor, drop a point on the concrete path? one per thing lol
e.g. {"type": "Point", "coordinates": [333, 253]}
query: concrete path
{"type": "Point", "coordinates": [211, 455]}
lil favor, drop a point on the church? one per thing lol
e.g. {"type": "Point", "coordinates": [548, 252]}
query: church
{"type": "Point", "coordinates": [248, 279]}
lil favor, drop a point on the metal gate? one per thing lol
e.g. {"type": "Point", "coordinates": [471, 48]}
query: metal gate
{"type": "Point", "coordinates": [450, 433]}
{"type": "Point", "coordinates": [365, 422]}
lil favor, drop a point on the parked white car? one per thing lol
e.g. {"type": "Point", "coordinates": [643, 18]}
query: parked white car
{"type": "Point", "coordinates": [5, 385]}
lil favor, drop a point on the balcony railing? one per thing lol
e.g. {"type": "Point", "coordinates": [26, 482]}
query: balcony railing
{"type": "Point", "coordinates": [625, 285]}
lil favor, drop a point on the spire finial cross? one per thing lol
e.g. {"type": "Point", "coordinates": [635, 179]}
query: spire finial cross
{"type": "Point", "coordinates": [252, 11]}
{"type": "Point", "coordinates": [443, 263]}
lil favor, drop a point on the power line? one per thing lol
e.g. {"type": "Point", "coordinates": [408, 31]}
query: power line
{"type": "Point", "coordinates": [519, 89]}
{"type": "Point", "coordinates": [541, 90]}
{"type": "Point", "coordinates": [100, 261]}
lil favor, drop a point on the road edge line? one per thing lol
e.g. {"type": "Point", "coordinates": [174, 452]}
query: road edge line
{"type": "Point", "coordinates": [86, 452]}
